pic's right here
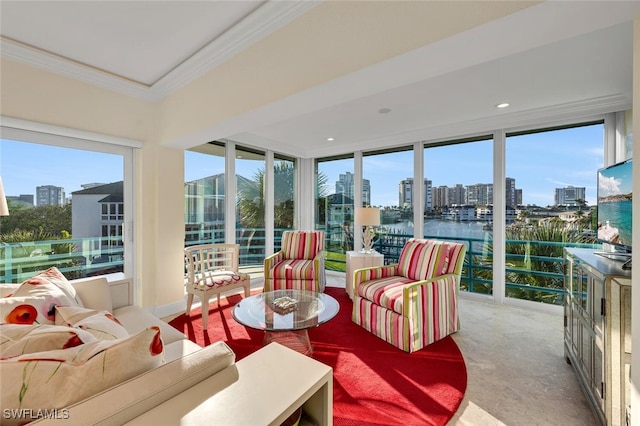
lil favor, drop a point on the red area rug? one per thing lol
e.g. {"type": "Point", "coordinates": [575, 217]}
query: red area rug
{"type": "Point", "coordinates": [374, 383]}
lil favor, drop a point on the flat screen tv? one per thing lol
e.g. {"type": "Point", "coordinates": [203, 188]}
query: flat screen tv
{"type": "Point", "coordinates": [614, 209]}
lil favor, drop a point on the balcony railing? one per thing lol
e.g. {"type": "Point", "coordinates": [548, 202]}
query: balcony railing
{"type": "Point", "coordinates": [534, 269]}
{"type": "Point", "coordinates": [75, 258]}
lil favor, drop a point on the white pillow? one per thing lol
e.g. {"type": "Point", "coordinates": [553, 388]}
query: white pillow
{"type": "Point", "coordinates": [18, 339]}
{"type": "Point", "coordinates": [102, 324]}
{"type": "Point", "coordinates": [44, 291]}
{"type": "Point", "coordinates": [58, 378]}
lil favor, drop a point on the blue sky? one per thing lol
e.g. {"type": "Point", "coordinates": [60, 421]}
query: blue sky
{"type": "Point", "coordinates": [615, 180]}
{"type": "Point", "coordinates": [539, 162]}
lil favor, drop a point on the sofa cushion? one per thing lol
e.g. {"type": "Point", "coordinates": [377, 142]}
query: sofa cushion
{"type": "Point", "coordinates": [385, 292]}
{"type": "Point", "coordinates": [135, 319]}
{"type": "Point", "coordinates": [94, 293]}
{"type": "Point", "coordinates": [18, 339]}
{"type": "Point", "coordinates": [220, 278]}
{"type": "Point", "coordinates": [294, 269]}
{"type": "Point", "coordinates": [102, 324]}
{"type": "Point", "coordinates": [422, 259]}
{"type": "Point", "coordinates": [138, 395]}
{"type": "Point", "coordinates": [56, 379]}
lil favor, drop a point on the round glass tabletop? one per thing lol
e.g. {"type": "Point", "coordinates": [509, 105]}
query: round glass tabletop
{"type": "Point", "coordinates": [285, 310]}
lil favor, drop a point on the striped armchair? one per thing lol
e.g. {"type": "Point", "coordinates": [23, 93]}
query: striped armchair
{"type": "Point", "coordinates": [413, 303]}
{"type": "Point", "coordinates": [299, 264]}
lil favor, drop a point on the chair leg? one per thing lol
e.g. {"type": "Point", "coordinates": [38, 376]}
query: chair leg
{"type": "Point", "coordinates": [189, 303]}
{"type": "Point", "coordinates": [204, 300]}
{"type": "Point", "coordinates": [247, 288]}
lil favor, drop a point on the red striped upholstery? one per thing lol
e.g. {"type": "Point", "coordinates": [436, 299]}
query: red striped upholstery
{"type": "Point", "coordinates": [300, 263]}
{"type": "Point", "coordinates": [414, 303]}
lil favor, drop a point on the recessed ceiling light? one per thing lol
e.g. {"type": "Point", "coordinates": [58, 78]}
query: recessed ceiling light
{"type": "Point", "coordinates": [503, 105]}
{"type": "Point", "coordinates": [384, 110]}
{"type": "Point", "coordinates": [330, 139]}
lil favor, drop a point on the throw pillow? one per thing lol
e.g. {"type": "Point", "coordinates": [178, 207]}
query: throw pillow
{"type": "Point", "coordinates": [56, 379]}
{"type": "Point", "coordinates": [27, 310]}
{"type": "Point", "coordinates": [54, 287]}
{"type": "Point", "coordinates": [101, 324]}
{"type": "Point", "coordinates": [18, 339]}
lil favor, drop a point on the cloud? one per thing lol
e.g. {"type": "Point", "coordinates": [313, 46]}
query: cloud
{"type": "Point", "coordinates": [608, 185]}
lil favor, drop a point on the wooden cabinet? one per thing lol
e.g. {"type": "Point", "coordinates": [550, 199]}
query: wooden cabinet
{"type": "Point", "coordinates": [359, 260]}
{"type": "Point", "coordinates": [597, 330]}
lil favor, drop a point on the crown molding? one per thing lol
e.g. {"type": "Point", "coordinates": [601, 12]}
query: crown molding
{"type": "Point", "coordinates": [264, 20]}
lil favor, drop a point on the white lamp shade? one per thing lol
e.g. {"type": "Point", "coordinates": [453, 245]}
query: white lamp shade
{"type": "Point", "coordinates": [367, 216]}
{"type": "Point", "coordinates": [4, 209]}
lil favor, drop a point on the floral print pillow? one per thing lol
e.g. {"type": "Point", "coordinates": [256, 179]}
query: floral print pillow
{"type": "Point", "coordinates": [58, 378]}
{"type": "Point", "coordinates": [101, 324]}
{"type": "Point", "coordinates": [35, 300]}
{"type": "Point", "coordinates": [18, 339]}
{"type": "Point", "coordinates": [27, 310]}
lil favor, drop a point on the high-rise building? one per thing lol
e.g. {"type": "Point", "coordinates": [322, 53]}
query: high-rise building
{"type": "Point", "coordinates": [344, 186]}
{"type": "Point", "coordinates": [457, 195]}
{"type": "Point", "coordinates": [49, 195]}
{"type": "Point", "coordinates": [570, 196]}
{"type": "Point", "coordinates": [510, 192]}
{"type": "Point", "coordinates": [480, 194]}
{"type": "Point", "coordinates": [405, 191]}
{"type": "Point", "coordinates": [440, 197]}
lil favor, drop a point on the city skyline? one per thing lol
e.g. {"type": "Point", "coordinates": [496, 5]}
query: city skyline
{"type": "Point", "coordinates": [539, 162]}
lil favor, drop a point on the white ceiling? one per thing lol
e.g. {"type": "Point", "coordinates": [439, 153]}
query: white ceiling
{"type": "Point", "coordinates": [551, 61]}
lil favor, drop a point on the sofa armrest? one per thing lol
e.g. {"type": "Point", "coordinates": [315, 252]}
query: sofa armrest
{"type": "Point", "coordinates": [270, 262]}
{"type": "Point", "coordinates": [373, 273]}
{"type": "Point", "coordinates": [121, 403]}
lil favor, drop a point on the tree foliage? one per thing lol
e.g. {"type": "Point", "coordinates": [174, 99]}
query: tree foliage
{"type": "Point", "coordinates": [251, 197]}
{"type": "Point", "coordinates": [51, 220]}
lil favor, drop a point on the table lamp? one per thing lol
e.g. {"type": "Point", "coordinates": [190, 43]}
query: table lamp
{"type": "Point", "coordinates": [367, 217]}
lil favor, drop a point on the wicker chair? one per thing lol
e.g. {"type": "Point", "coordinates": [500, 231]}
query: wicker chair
{"type": "Point", "coordinates": [413, 303]}
{"type": "Point", "coordinates": [213, 269]}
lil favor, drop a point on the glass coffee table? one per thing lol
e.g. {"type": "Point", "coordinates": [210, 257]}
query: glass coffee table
{"type": "Point", "coordinates": [286, 315]}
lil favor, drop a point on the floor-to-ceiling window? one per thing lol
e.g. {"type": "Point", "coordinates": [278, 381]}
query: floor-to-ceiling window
{"type": "Point", "coordinates": [250, 205]}
{"type": "Point", "coordinates": [334, 208]}
{"type": "Point", "coordinates": [550, 200]}
{"type": "Point", "coordinates": [388, 184]}
{"type": "Point", "coordinates": [284, 178]}
{"type": "Point", "coordinates": [458, 180]}
{"type": "Point", "coordinates": [204, 194]}
{"type": "Point", "coordinates": [70, 204]}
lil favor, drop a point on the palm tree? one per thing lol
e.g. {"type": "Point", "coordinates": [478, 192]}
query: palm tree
{"type": "Point", "coordinates": [251, 196]}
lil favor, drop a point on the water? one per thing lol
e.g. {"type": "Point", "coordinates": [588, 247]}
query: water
{"type": "Point", "coordinates": [618, 214]}
{"type": "Point", "coordinates": [443, 228]}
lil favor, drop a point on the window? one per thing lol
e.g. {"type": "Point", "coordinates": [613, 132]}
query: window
{"type": "Point", "coordinates": [76, 220]}
{"type": "Point", "coordinates": [204, 194]}
{"type": "Point", "coordinates": [250, 205]}
{"type": "Point", "coordinates": [334, 208]}
{"type": "Point", "coordinates": [284, 177]}
{"type": "Point", "coordinates": [550, 197]}
{"type": "Point", "coordinates": [459, 176]}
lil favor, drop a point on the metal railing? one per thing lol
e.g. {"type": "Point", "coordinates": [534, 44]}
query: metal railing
{"type": "Point", "coordinates": [75, 258]}
{"type": "Point", "coordinates": [534, 269]}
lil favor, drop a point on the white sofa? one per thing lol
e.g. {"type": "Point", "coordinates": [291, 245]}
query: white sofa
{"type": "Point", "coordinates": [187, 365]}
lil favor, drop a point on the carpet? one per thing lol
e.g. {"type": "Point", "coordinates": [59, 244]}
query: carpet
{"type": "Point", "coordinates": [374, 383]}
